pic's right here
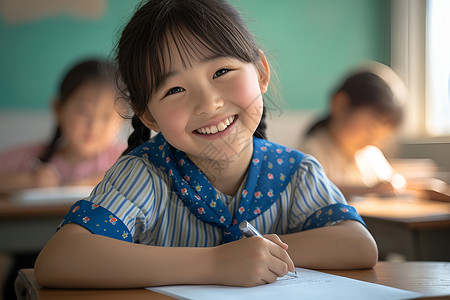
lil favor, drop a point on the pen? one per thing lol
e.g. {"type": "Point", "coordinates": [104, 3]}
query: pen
{"type": "Point", "coordinates": [248, 230]}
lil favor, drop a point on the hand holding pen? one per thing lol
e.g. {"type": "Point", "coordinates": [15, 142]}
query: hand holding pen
{"type": "Point", "coordinates": [44, 174]}
{"type": "Point", "coordinates": [249, 231]}
{"type": "Point", "coordinates": [249, 261]}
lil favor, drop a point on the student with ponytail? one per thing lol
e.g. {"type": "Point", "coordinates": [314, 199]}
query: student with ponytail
{"type": "Point", "coordinates": [168, 212]}
{"type": "Point", "coordinates": [364, 111]}
{"type": "Point", "coordinates": [84, 145]}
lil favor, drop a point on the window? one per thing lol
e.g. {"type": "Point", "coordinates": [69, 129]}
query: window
{"type": "Point", "coordinates": [438, 67]}
{"type": "Point", "coordinates": [420, 50]}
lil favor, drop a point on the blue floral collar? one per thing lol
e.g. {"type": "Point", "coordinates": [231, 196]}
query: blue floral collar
{"type": "Point", "coordinates": [269, 172]}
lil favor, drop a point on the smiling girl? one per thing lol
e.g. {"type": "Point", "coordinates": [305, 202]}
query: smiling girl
{"type": "Point", "coordinates": [168, 211]}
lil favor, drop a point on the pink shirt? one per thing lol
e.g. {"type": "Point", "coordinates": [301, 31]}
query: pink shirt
{"type": "Point", "coordinates": [21, 159]}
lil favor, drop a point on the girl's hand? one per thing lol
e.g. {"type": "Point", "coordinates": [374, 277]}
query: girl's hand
{"type": "Point", "coordinates": [251, 261]}
{"type": "Point", "coordinates": [384, 188]}
{"type": "Point", "coordinates": [46, 175]}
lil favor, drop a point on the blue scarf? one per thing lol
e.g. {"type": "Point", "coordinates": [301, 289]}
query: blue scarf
{"type": "Point", "coordinates": [269, 172]}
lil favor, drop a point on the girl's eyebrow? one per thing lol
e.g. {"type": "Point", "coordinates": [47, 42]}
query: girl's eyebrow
{"type": "Point", "coordinates": [165, 77]}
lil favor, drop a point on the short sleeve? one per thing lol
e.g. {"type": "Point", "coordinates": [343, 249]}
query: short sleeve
{"type": "Point", "coordinates": [120, 204]}
{"type": "Point", "coordinates": [97, 220]}
{"type": "Point", "coordinates": [316, 201]}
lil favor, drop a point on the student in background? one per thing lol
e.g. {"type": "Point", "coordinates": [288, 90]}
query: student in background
{"type": "Point", "coordinates": [85, 142]}
{"type": "Point", "coordinates": [168, 212]}
{"type": "Point", "coordinates": [364, 111]}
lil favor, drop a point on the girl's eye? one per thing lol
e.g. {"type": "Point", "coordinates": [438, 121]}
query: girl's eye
{"type": "Point", "coordinates": [220, 73]}
{"type": "Point", "coordinates": [175, 90]}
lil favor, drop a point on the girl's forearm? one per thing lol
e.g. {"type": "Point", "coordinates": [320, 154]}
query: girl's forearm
{"type": "Point", "coordinates": [13, 181]}
{"type": "Point", "coordinates": [347, 245]}
{"type": "Point", "coordinates": [76, 258]}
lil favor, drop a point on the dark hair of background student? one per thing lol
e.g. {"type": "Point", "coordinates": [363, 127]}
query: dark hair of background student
{"type": "Point", "coordinates": [367, 90]}
{"type": "Point", "coordinates": [192, 25]}
{"type": "Point", "coordinates": [92, 70]}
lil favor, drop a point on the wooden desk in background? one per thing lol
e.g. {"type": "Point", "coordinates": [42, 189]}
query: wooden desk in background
{"type": "Point", "coordinates": [416, 228]}
{"type": "Point", "coordinates": [28, 227]}
{"type": "Point", "coordinates": [427, 278]}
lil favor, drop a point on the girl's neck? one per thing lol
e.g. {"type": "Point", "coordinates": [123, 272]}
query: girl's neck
{"type": "Point", "coordinates": [226, 175]}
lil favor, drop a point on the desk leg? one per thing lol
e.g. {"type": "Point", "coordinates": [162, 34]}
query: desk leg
{"type": "Point", "coordinates": [24, 288]}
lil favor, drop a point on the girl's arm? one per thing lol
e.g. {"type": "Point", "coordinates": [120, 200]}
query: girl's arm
{"type": "Point", "coordinates": [76, 258]}
{"type": "Point", "coordinates": [347, 245]}
{"type": "Point", "coordinates": [12, 181]}
{"type": "Point", "coordinates": [44, 176]}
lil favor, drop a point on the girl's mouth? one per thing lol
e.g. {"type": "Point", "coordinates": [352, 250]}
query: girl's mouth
{"type": "Point", "coordinates": [221, 126]}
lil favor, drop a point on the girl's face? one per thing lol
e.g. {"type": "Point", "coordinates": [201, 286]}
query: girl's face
{"type": "Point", "coordinates": [88, 119]}
{"type": "Point", "coordinates": [359, 128]}
{"type": "Point", "coordinates": [210, 108]}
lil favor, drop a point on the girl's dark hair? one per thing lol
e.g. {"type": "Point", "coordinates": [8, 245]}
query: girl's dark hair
{"type": "Point", "coordinates": [366, 89]}
{"type": "Point", "coordinates": [192, 26]}
{"type": "Point", "coordinates": [92, 70]}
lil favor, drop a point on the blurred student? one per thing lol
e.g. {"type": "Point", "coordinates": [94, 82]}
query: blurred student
{"type": "Point", "coordinates": [363, 113]}
{"type": "Point", "coordinates": [84, 144]}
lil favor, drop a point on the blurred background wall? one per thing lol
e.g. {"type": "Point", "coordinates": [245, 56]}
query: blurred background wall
{"type": "Point", "coordinates": [309, 43]}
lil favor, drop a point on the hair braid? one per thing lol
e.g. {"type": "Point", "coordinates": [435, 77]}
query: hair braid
{"type": "Point", "coordinates": [260, 131]}
{"type": "Point", "coordinates": [140, 134]}
{"type": "Point", "coordinates": [51, 147]}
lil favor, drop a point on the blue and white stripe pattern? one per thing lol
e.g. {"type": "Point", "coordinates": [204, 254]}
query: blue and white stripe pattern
{"type": "Point", "coordinates": [140, 197]}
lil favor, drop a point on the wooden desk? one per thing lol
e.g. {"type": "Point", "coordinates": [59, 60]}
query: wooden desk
{"type": "Point", "coordinates": [416, 228]}
{"type": "Point", "coordinates": [36, 223]}
{"type": "Point", "coordinates": [428, 278]}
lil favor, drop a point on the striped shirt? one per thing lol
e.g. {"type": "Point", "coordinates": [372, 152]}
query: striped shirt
{"type": "Point", "coordinates": [138, 202]}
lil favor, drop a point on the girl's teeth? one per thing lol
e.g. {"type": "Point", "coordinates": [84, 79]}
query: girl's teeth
{"type": "Point", "coordinates": [221, 126]}
{"type": "Point", "coordinates": [216, 128]}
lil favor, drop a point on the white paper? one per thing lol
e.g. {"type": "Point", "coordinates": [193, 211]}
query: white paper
{"type": "Point", "coordinates": [309, 285]}
{"type": "Point", "coordinates": [54, 195]}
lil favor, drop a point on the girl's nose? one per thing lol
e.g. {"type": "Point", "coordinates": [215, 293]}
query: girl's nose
{"type": "Point", "coordinates": [207, 102]}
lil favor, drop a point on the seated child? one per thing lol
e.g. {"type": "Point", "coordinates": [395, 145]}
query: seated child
{"type": "Point", "coordinates": [364, 111]}
{"type": "Point", "coordinates": [83, 148]}
{"type": "Point", "coordinates": [85, 142]}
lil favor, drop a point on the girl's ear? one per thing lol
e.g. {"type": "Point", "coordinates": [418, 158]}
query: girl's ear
{"type": "Point", "coordinates": [56, 105]}
{"type": "Point", "coordinates": [148, 121]}
{"type": "Point", "coordinates": [263, 73]}
{"type": "Point", "coordinates": [340, 105]}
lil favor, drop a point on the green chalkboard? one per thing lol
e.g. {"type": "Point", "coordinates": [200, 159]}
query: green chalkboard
{"type": "Point", "coordinates": [309, 43]}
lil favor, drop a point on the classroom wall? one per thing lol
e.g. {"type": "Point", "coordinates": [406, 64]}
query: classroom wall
{"type": "Point", "coordinates": [310, 45]}
{"type": "Point", "coordinates": [35, 51]}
